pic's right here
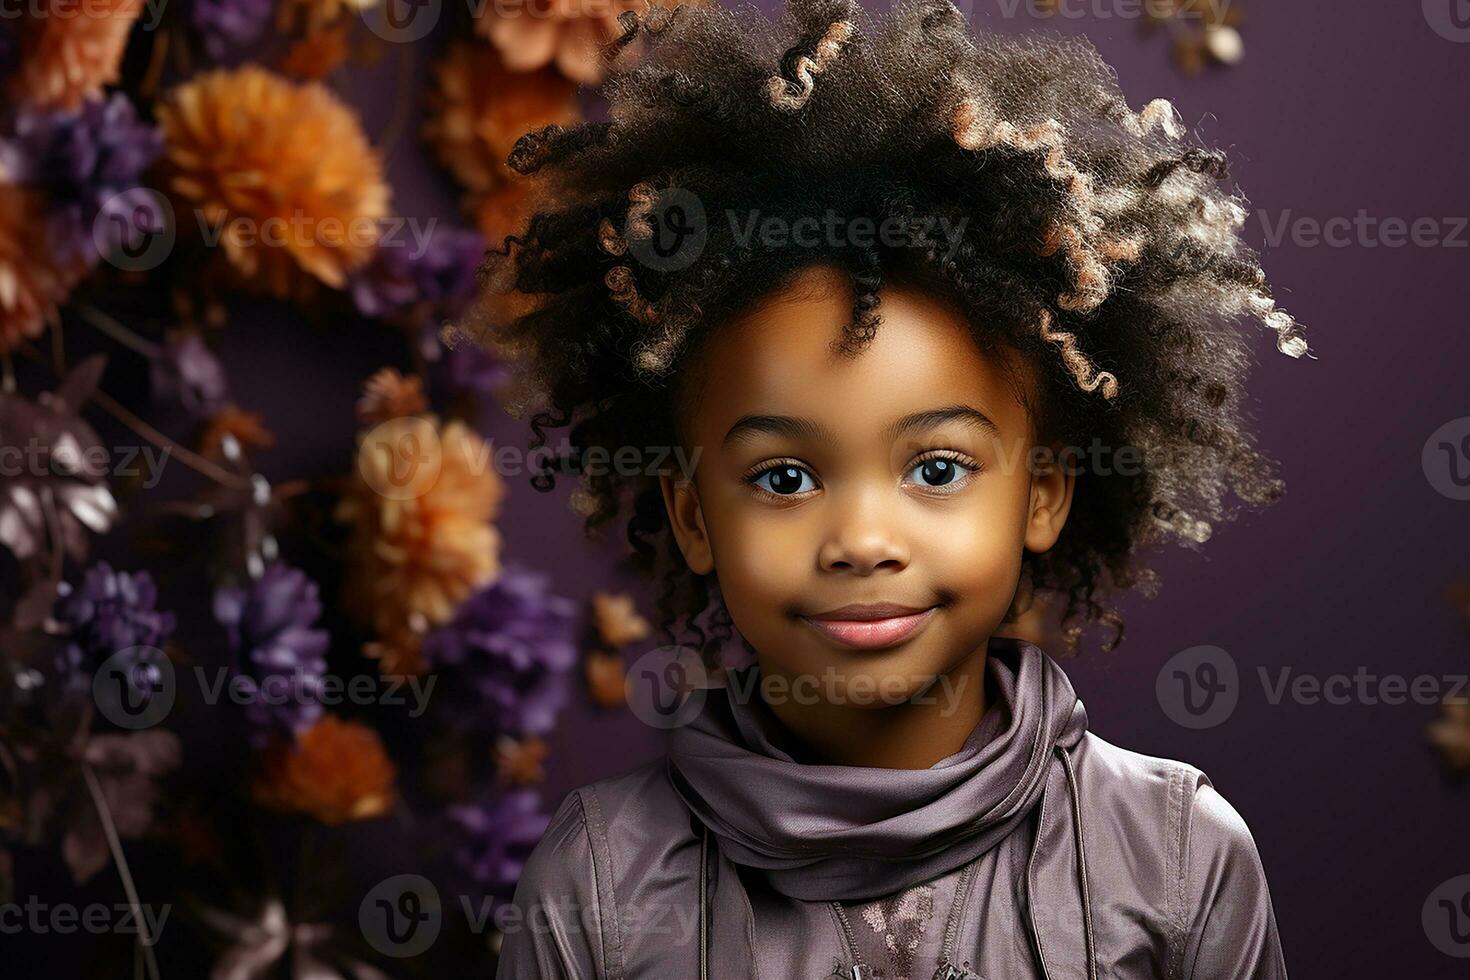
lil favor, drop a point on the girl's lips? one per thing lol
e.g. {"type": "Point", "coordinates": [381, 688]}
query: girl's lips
{"type": "Point", "coordinates": [871, 634]}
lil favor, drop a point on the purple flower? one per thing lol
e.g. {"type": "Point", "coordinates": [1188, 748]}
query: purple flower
{"type": "Point", "coordinates": [112, 613]}
{"type": "Point", "coordinates": [280, 659]}
{"type": "Point", "coordinates": [82, 159]}
{"type": "Point", "coordinates": [460, 363]}
{"type": "Point", "coordinates": [186, 373]}
{"type": "Point", "coordinates": [509, 651]}
{"type": "Point", "coordinates": [228, 26]}
{"type": "Point", "coordinates": [405, 273]}
{"type": "Point", "coordinates": [495, 839]}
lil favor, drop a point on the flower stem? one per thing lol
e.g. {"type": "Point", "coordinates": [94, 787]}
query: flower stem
{"type": "Point", "coordinates": [184, 455]}
{"type": "Point", "coordinates": [109, 829]}
{"type": "Point", "coordinates": [126, 336]}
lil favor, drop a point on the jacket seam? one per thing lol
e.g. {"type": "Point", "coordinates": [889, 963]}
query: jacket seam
{"type": "Point", "coordinates": [602, 873]}
{"type": "Point", "coordinates": [1177, 870]}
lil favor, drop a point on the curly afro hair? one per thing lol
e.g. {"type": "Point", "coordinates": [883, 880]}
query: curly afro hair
{"type": "Point", "coordinates": [1096, 240]}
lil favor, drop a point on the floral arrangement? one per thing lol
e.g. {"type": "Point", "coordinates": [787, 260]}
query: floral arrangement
{"type": "Point", "coordinates": [156, 164]}
{"type": "Point", "coordinates": [1450, 733]}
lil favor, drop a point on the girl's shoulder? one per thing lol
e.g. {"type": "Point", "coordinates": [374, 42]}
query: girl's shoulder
{"type": "Point", "coordinates": [616, 862]}
{"type": "Point", "coordinates": [1163, 840]}
{"type": "Point", "coordinates": [1148, 798]}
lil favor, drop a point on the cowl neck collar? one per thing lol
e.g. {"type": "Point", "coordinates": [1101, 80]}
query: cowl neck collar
{"type": "Point", "coordinates": [823, 832]}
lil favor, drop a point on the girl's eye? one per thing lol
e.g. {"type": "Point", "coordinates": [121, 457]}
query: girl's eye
{"type": "Point", "coordinates": [785, 480]}
{"type": "Point", "coordinates": [939, 471]}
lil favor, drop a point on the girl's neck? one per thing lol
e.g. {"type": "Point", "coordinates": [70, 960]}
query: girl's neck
{"type": "Point", "coordinates": [913, 735]}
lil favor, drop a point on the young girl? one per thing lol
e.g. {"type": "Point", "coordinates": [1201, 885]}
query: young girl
{"type": "Point", "coordinates": [945, 327]}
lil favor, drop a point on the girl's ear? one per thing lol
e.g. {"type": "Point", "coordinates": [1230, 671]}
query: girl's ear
{"type": "Point", "coordinates": [686, 517]}
{"type": "Point", "coordinates": [1052, 484]}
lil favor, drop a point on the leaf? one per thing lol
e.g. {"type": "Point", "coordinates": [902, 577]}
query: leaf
{"type": "Point", "coordinates": [81, 382]}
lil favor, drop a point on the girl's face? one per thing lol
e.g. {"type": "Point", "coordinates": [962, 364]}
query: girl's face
{"type": "Point", "coordinates": [865, 516]}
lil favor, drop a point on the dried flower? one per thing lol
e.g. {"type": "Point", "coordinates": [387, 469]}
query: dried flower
{"type": "Point", "coordinates": [389, 395]}
{"type": "Point", "coordinates": [318, 14]}
{"type": "Point", "coordinates": [280, 659]}
{"type": "Point", "coordinates": [127, 768]}
{"type": "Point", "coordinates": [399, 655]}
{"type": "Point", "coordinates": [80, 159]}
{"type": "Point", "coordinates": [282, 171]}
{"type": "Point", "coordinates": [1451, 734]}
{"type": "Point", "coordinates": [1224, 44]}
{"type": "Point", "coordinates": [317, 55]}
{"type": "Point", "coordinates": [505, 210]}
{"type": "Point", "coordinates": [234, 423]}
{"type": "Point", "coordinates": [336, 772]}
{"type": "Point", "coordinates": [521, 763]}
{"type": "Point", "coordinates": [496, 837]}
{"type": "Point", "coordinates": [62, 494]}
{"type": "Point", "coordinates": [229, 26]}
{"type": "Point", "coordinates": [33, 283]}
{"type": "Point", "coordinates": [69, 50]}
{"type": "Point", "coordinates": [437, 277]}
{"type": "Point", "coordinates": [186, 374]}
{"type": "Point", "coordinates": [565, 33]}
{"type": "Point", "coordinates": [461, 363]}
{"type": "Point", "coordinates": [1204, 33]}
{"type": "Point", "coordinates": [616, 619]}
{"type": "Point", "coordinates": [1459, 596]}
{"type": "Point", "coordinates": [477, 111]}
{"type": "Point", "coordinates": [606, 676]}
{"type": "Point", "coordinates": [109, 613]}
{"type": "Point", "coordinates": [266, 942]}
{"type": "Point", "coordinates": [509, 650]}
{"type": "Point", "coordinates": [420, 548]}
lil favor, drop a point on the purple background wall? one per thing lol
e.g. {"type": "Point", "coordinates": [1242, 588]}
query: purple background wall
{"type": "Point", "coordinates": [1336, 108]}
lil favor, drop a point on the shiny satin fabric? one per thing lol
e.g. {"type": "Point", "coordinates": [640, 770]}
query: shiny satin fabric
{"type": "Point", "coordinates": [1088, 860]}
{"type": "Point", "coordinates": [824, 832]}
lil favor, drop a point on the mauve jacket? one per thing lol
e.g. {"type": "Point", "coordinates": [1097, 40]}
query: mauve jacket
{"type": "Point", "coordinates": [1037, 851]}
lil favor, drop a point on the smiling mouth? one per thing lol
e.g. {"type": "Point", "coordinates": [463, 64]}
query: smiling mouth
{"type": "Point", "coordinates": [870, 627]}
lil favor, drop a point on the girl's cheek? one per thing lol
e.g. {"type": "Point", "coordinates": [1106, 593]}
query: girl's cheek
{"type": "Point", "coordinates": [761, 559]}
{"type": "Point", "coordinates": [767, 558]}
{"type": "Point", "coordinates": [975, 554]}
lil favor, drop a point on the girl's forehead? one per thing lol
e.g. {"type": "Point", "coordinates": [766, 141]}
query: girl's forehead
{"type": "Point", "coordinates": [778, 358]}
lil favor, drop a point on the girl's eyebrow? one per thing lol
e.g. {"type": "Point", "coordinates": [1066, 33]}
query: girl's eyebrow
{"type": "Point", "coordinates": [789, 426]}
{"type": "Point", "coordinates": [930, 418]}
{"type": "Point", "coordinates": [794, 427]}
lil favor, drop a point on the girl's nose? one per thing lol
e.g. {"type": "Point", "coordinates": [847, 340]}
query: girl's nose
{"type": "Point", "coordinates": [863, 541]}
